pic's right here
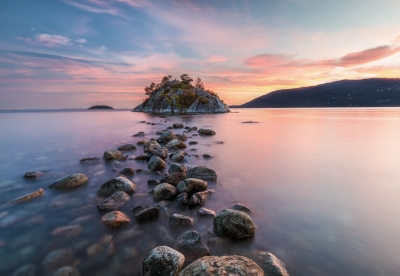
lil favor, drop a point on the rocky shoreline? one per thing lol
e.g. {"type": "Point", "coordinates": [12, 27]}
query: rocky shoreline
{"type": "Point", "coordinates": [177, 186]}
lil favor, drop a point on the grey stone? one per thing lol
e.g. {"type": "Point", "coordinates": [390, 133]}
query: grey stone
{"type": "Point", "coordinates": [175, 143]}
{"type": "Point", "coordinates": [207, 156]}
{"type": "Point", "coordinates": [271, 265]}
{"type": "Point", "coordinates": [114, 202]}
{"type": "Point", "coordinates": [156, 163]}
{"type": "Point", "coordinates": [202, 172]}
{"type": "Point", "coordinates": [115, 219]}
{"type": "Point", "coordinates": [199, 198]}
{"type": "Point", "coordinates": [241, 207]}
{"type": "Point", "coordinates": [162, 260]}
{"type": "Point", "coordinates": [143, 156]}
{"type": "Point", "coordinates": [177, 125]}
{"type": "Point", "coordinates": [177, 168]}
{"type": "Point", "coordinates": [127, 172]}
{"type": "Point", "coordinates": [153, 182]}
{"type": "Point", "coordinates": [224, 265]}
{"type": "Point", "coordinates": [192, 143]}
{"type": "Point", "coordinates": [173, 178]}
{"type": "Point", "coordinates": [160, 152]}
{"type": "Point", "coordinates": [25, 198]}
{"type": "Point", "coordinates": [140, 133]}
{"type": "Point", "coordinates": [66, 271]}
{"type": "Point", "coordinates": [112, 154]}
{"type": "Point", "coordinates": [69, 231]}
{"type": "Point", "coordinates": [234, 224]}
{"type": "Point", "coordinates": [118, 183]}
{"type": "Point", "coordinates": [164, 191]}
{"type": "Point", "coordinates": [191, 246]}
{"type": "Point", "coordinates": [166, 137]}
{"type": "Point", "coordinates": [142, 142]}
{"type": "Point", "coordinates": [191, 185]}
{"type": "Point", "coordinates": [70, 181]}
{"type": "Point", "coordinates": [151, 145]}
{"type": "Point", "coordinates": [219, 241]}
{"type": "Point", "coordinates": [178, 157]}
{"type": "Point", "coordinates": [204, 212]}
{"type": "Point", "coordinates": [206, 132]}
{"type": "Point", "coordinates": [181, 200]}
{"type": "Point", "coordinates": [180, 220]}
{"type": "Point", "coordinates": [144, 212]}
{"type": "Point", "coordinates": [127, 147]}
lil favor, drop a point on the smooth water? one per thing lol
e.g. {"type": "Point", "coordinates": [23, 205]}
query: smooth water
{"type": "Point", "coordinates": [324, 185]}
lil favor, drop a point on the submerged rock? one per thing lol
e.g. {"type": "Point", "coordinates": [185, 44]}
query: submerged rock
{"type": "Point", "coordinates": [180, 220]}
{"type": "Point", "coordinates": [177, 157]}
{"type": "Point", "coordinates": [234, 224]}
{"type": "Point", "coordinates": [115, 201]}
{"type": "Point", "coordinates": [153, 182]}
{"type": "Point", "coordinates": [164, 191]}
{"type": "Point", "coordinates": [177, 125]}
{"type": "Point", "coordinates": [70, 181]}
{"type": "Point", "coordinates": [202, 172]}
{"type": "Point", "coordinates": [112, 154]}
{"type": "Point", "coordinates": [144, 212]}
{"type": "Point", "coordinates": [162, 260]}
{"type": "Point", "coordinates": [115, 219]}
{"type": "Point", "coordinates": [156, 163]}
{"type": "Point", "coordinates": [25, 198]}
{"type": "Point", "coordinates": [67, 271]}
{"type": "Point", "coordinates": [143, 156]}
{"type": "Point", "coordinates": [33, 174]}
{"type": "Point", "coordinates": [90, 161]}
{"type": "Point", "coordinates": [173, 178]}
{"type": "Point", "coordinates": [57, 258]}
{"type": "Point", "coordinates": [199, 198]}
{"type": "Point", "coordinates": [140, 133]}
{"type": "Point", "coordinates": [142, 142]}
{"type": "Point", "coordinates": [207, 156]}
{"type": "Point", "coordinates": [127, 147]}
{"type": "Point", "coordinates": [94, 249]}
{"type": "Point", "coordinates": [206, 132]}
{"type": "Point", "coordinates": [26, 270]}
{"type": "Point", "coordinates": [271, 265]}
{"type": "Point", "coordinates": [69, 231]}
{"type": "Point", "coordinates": [192, 143]}
{"type": "Point", "coordinates": [224, 265]}
{"type": "Point", "coordinates": [190, 245]}
{"type": "Point", "coordinates": [191, 185]}
{"type": "Point", "coordinates": [177, 168]}
{"type": "Point", "coordinates": [118, 183]}
{"type": "Point", "coordinates": [219, 241]}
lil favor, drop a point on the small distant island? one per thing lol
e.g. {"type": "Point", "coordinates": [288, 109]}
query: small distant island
{"type": "Point", "coordinates": [374, 92]}
{"type": "Point", "coordinates": [100, 107]}
{"type": "Point", "coordinates": [175, 96]}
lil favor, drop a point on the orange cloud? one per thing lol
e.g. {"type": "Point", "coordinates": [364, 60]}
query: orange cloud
{"type": "Point", "coordinates": [367, 56]}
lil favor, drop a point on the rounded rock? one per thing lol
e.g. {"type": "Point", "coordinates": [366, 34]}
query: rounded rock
{"type": "Point", "coordinates": [115, 219]}
{"type": "Point", "coordinates": [191, 185]}
{"type": "Point", "coordinates": [118, 183]}
{"type": "Point", "coordinates": [70, 181]}
{"type": "Point", "coordinates": [57, 258]}
{"type": "Point", "coordinates": [234, 224]}
{"type": "Point", "coordinates": [164, 191]}
{"type": "Point", "coordinates": [191, 246]}
{"type": "Point", "coordinates": [180, 220]}
{"type": "Point", "coordinates": [112, 154]}
{"type": "Point", "coordinates": [162, 260]}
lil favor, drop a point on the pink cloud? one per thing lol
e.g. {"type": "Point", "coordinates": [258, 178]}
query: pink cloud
{"type": "Point", "coordinates": [367, 56]}
{"type": "Point", "coordinates": [216, 58]}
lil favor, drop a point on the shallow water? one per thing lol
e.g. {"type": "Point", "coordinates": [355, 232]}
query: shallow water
{"type": "Point", "coordinates": [324, 185]}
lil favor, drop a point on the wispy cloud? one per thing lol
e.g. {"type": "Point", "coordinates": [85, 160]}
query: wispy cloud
{"type": "Point", "coordinates": [81, 40]}
{"type": "Point", "coordinates": [48, 40]}
{"type": "Point", "coordinates": [101, 7]}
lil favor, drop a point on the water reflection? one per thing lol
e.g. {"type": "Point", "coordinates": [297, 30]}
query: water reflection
{"type": "Point", "coordinates": [322, 182]}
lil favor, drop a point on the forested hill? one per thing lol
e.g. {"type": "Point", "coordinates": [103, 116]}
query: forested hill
{"type": "Point", "coordinates": [377, 92]}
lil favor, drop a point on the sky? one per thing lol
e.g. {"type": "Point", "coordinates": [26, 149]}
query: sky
{"type": "Point", "coordinates": [79, 53]}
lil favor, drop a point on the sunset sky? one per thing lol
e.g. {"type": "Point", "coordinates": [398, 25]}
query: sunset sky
{"type": "Point", "coordinates": [78, 53]}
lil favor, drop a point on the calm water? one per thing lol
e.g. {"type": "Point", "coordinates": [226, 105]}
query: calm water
{"type": "Point", "coordinates": [324, 185]}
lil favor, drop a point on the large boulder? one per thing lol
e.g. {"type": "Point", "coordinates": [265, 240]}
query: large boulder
{"type": "Point", "coordinates": [206, 132]}
{"type": "Point", "coordinates": [151, 145]}
{"type": "Point", "coordinates": [144, 212]}
{"type": "Point", "coordinates": [234, 224]}
{"type": "Point", "coordinates": [191, 185]}
{"type": "Point", "coordinates": [166, 137]}
{"type": "Point", "coordinates": [116, 184]}
{"type": "Point", "coordinates": [180, 220]}
{"type": "Point", "coordinates": [271, 265]}
{"type": "Point", "coordinates": [164, 191]}
{"type": "Point", "coordinates": [175, 143]}
{"type": "Point", "coordinates": [224, 265]}
{"type": "Point", "coordinates": [191, 246]}
{"type": "Point", "coordinates": [173, 178]}
{"type": "Point", "coordinates": [199, 198]}
{"type": "Point", "coordinates": [70, 181]}
{"type": "Point", "coordinates": [115, 201]}
{"type": "Point", "coordinates": [115, 219]}
{"type": "Point", "coordinates": [162, 260]}
{"type": "Point", "coordinates": [202, 172]}
{"type": "Point", "coordinates": [177, 168]}
{"type": "Point", "coordinates": [156, 163]}
{"type": "Point", "coordinates": [112, 154]}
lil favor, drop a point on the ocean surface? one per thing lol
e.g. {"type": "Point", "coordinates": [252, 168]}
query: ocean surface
{"type": "Point", "coordinates": [324, 185]}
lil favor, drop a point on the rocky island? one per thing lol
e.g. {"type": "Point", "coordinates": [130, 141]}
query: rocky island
{"type": "Point", "coordinates": [100, 107]}
{"type": "Point", "coordinates": [180, 97]}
